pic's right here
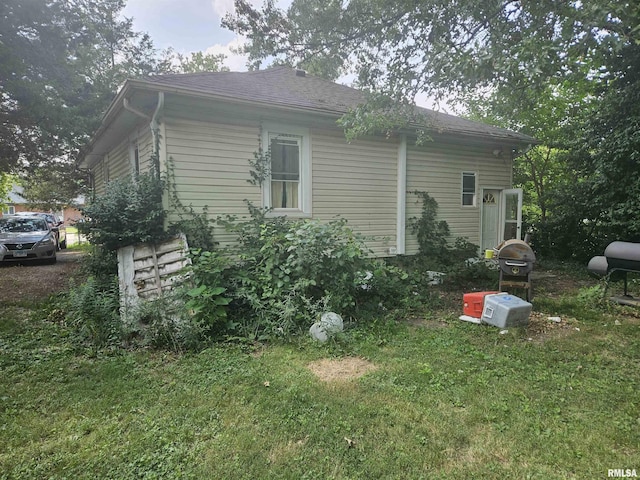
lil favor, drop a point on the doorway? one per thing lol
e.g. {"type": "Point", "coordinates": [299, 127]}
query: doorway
{"type": "Point", "coordinates": [501, 216]}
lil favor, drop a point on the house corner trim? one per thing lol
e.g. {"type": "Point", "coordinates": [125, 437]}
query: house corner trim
{"type": "Point", "coordinates": [401, 196]}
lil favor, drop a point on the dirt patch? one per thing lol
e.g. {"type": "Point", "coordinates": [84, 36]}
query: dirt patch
{"type": "Point", "coordinates": [341, 370]}
{"type": "Point", "coordinates": [543, 326]}
{"type": "Point", "coordinates": [430, 323]}
{"type": "Point", "coordinates": [36, 281]}
{"type": "Point", "coordinates": [556, 284]}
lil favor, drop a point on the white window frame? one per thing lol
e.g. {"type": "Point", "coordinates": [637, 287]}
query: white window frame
{"type": "Point", "coordinates": [269, 130]}
{"type": "Point", "coordinates": [475, 189]}
{"type": "Point", "coordinates": [9, 210]}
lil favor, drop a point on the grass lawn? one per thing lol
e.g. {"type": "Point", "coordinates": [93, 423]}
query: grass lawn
{"type": "Point", "coordinates": [441, 399]}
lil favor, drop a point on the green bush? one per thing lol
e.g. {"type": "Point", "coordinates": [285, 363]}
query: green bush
{"type": "Point", "coordinates": [432, 234]}
{"type": "Point", "coordinates": [288, 271]}
{"type": "Point", "coordinates": [164, 323]}
{"type": "Point", "coordinates": [385, 287]}
{"type": "Point", "coordinates": [129, 212]}
{"type": "Point", "coordinates": [101, 264]}
{"type": "Point", "coordinates": [206, 301]}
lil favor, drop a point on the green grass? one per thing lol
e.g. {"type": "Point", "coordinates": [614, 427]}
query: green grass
{"type": "Point", "coordinates": [448, 399]}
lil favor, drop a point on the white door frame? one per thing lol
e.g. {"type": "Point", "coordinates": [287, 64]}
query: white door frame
{"type": "Point", "coordinates": [503, 211]}
{"type": "Point", "coordinates": [503, 192]}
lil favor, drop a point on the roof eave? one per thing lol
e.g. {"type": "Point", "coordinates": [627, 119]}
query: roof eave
{"type": "Point", "coordinates": [131, 85]}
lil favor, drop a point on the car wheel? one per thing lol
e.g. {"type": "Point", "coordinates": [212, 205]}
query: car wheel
{"type": "Point", "coordinates": [63, 244]}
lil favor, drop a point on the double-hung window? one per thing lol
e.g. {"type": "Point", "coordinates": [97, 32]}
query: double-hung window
{"type": "Point", "coordinates": [285, 171]}
{"type": "Point", "coordinates": [288, 189]}
{"type": "Point", "coordinates": [468, 189]}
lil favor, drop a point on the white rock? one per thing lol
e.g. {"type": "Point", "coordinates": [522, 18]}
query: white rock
{"type": "Point", "coordinates": [317, 332]}
{"type": "Point", "coordinates": [332, 322]}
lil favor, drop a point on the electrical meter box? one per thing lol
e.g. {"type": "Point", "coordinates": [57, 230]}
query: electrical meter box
{"type": "Point", "coordinates": [504, 310]}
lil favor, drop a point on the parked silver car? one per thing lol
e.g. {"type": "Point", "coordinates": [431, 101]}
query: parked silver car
{"type": "Point", "coordinates": [25, 238]}
{"type": "Point", "coordinates": [56, 224]}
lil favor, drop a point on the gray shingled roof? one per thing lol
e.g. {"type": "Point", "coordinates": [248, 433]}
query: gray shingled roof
{"type": "Point", "coordinates": [285, 87]}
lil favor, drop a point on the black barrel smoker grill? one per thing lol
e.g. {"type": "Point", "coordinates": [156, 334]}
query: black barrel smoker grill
{"type": "Point", "coordinates": [516, 259]}
{"type": "Point", "coordinates": [619, 259]}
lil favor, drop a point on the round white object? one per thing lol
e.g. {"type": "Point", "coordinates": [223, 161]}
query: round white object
{"type": "Point", "coordinates": [332, 322]}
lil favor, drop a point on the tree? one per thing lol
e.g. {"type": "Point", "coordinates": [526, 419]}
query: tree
{"type": "Point", "coordinates": [6, 183]}
{"type": "Point", "coordinates": [61, 63]}
{"type": "Point", "coordinates": [201, 62]}
{"type": "Point", "coordinates": [407, 46]}
{"type": "Point", "coordinates": [54, 187]}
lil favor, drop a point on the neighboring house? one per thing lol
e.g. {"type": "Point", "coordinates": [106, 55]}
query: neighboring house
{"type": "Point", "coordinates": [16, 203]}
{"type": "Point", "coordinates": [208, 125]}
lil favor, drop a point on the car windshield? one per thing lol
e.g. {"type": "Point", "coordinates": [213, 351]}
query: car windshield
{"type": "Point", "coordinates": [49, 217]}
{"type": "Point", "coordinates": [21, 225]}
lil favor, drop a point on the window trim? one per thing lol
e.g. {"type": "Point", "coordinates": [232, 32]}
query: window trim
{"type": "Point", "coordinates": [304, 193]}
{"type": "Point", "coordinates": [463, 192]}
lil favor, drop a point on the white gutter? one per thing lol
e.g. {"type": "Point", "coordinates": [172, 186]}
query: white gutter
{"type": "Point", "coordinates": [401, 222]}
{"type": "Point", "coordinates": [127, 106]}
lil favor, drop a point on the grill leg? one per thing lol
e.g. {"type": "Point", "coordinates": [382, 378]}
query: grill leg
{"type": "Point", "coordinates": [517, 283]}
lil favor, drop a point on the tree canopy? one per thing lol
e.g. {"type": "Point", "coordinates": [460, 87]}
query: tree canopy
{"type": "Point", "coordinates": [408, 46]}
{"type": "Point", "coordinates": [61, 63]}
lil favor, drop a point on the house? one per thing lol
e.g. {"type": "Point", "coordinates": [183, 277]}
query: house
{"type": "Point", "coordinates": [16, 203]}
{"type": "Point", "coordinates": [208, 125]}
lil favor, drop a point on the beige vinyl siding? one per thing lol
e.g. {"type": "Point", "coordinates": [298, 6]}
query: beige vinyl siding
{"type": "Point", "coordinates": [119, 163]}
{"type": "Point", "coordinates": [437, 169]}
{"type": "Point", "coordinates": [211, 168]}
{"type": "Point", "coordinates": [358, 182]}
{"type": "Point", "coordinates": [99, 181]}
{"type": "Point", "coordinates": [114, 165]}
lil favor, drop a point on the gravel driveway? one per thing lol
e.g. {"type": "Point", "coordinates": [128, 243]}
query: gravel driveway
{"type": "Point", "coordinates": [33, 280]}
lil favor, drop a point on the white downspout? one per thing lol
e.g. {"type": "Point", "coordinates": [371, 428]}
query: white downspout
{"type": "Point", "coordinates": [401, 222]}
{"type": "Point", "coordinates": [155, 129]}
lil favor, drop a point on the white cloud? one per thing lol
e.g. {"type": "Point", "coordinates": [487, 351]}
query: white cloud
{"type": "Point", "coordinates": [235, 61]}
{"type": "Point", "coordinates": [222, 7]}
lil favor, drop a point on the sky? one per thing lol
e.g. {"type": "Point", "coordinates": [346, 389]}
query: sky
{"type": "Point", "coordinates": [187, 26]}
